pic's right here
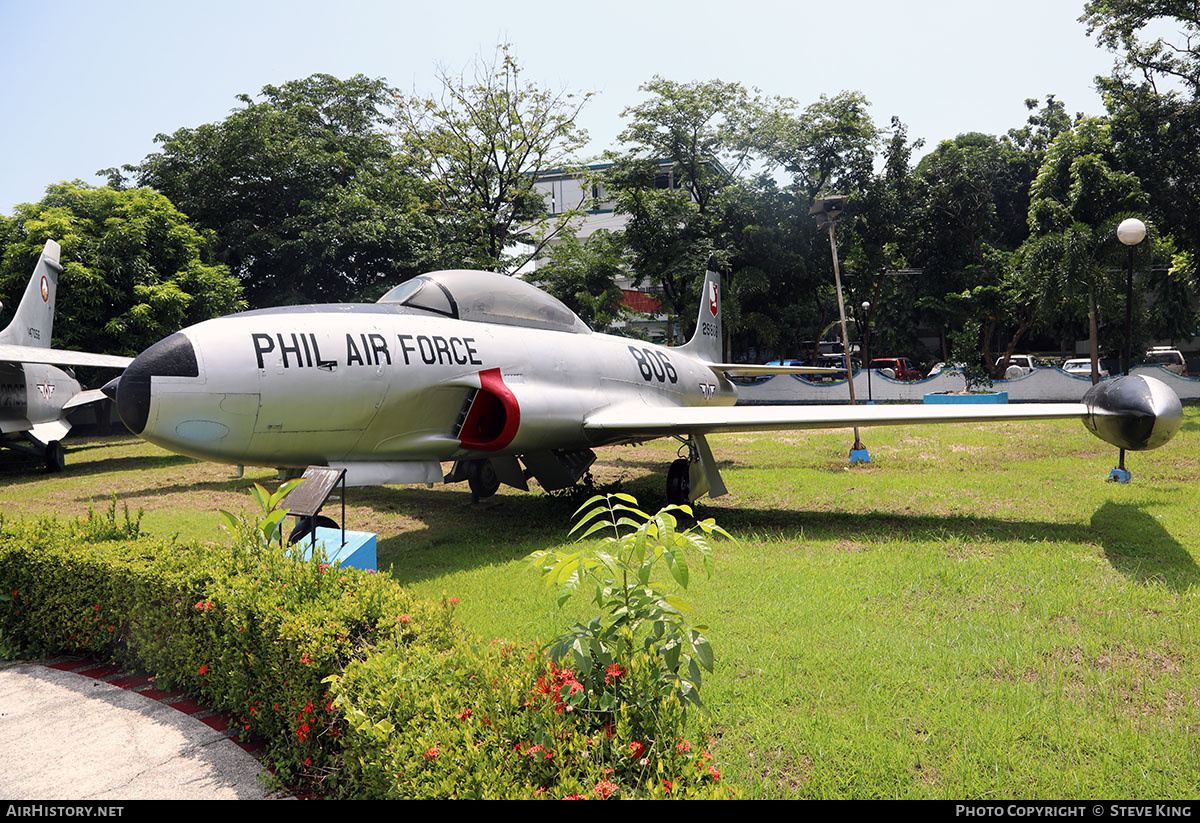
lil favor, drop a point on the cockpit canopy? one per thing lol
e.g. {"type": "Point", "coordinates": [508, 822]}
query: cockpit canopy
{"type": "Point", "coordinates": [485, 297]}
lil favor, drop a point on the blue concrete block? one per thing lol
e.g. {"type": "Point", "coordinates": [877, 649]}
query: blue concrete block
{"type": "Point", "coordinates": [358, 553]}
{"type": "Point", "coordinates": [990, 397]}
{"type": "Point", "coordinates": [859, 456]}
{"type": "Point", "coordinates": [1119, 476]}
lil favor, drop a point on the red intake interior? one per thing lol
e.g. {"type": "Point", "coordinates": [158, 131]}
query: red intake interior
{"type": "Point", "coordinates": [494, 417]}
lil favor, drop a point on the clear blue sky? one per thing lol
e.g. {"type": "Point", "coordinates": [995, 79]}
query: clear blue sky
{"type": "Point", "coordinates": [87, 85]}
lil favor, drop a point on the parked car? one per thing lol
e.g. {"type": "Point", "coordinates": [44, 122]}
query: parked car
{"type": "Point", "coordinates": [1019, 365]}
{"type": "Point", "coordinates": [1083, 367]}
{"type": "Point", "coordinates": [832, 361]}
{"type": "Point", "coordinates": [897, 368]}
{"type": "Point", "coordinates": [1167, 357]}
{"type": "Point", "coordinates": [937, 367]}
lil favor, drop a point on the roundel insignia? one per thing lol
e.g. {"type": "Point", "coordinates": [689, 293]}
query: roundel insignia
{"type": "Point", "coordinates": [45, 289]}
{"type": "Point", "coordinates": [712, 298]}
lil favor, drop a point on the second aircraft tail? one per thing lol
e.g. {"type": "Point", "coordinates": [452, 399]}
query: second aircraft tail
{"type": "Point", "coordinates": [33, 322]}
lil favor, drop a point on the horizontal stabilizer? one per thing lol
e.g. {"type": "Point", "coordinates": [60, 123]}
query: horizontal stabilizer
{"type": "Point", "coordinates": [83, 398]}
{"type": "Point", "coordinates": [60, 357]}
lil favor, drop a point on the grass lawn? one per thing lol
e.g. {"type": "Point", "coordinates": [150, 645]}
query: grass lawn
{"type": "Point", "coordinates": [976, 613]}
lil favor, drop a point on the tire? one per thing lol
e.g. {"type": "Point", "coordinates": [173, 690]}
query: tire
{"type": "Point", "coordinates": [679, 483]}
{"type": "Point", "coordinates": [56, 458]}
{"type": "Point", "coordinates": [301, 530]}
{"type": "Point", "coordinates": [482, 479]}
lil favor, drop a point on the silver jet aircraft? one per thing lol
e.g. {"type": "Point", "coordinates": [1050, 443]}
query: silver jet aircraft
{"type": "Point", "coordinates": [502, 380]}
{"type": "Point", "coordinates": [35, 396]}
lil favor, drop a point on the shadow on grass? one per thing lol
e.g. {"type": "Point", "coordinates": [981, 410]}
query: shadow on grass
{"type": "Point", "coordinates": [457, 536]}
{"type": "Point", "coordinates": [1138, 547]}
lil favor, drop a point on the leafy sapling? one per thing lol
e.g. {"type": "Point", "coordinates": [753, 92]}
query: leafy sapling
{"type": "Point", "coordinates": [635, 610]}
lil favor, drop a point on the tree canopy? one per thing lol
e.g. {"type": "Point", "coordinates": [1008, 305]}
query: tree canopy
{"type": "Point", "coordinates": [134, 270]}
{"type": "Point", "coordinates": [478, 146]}
{"type": "Point", "coordinates": [305, 196]}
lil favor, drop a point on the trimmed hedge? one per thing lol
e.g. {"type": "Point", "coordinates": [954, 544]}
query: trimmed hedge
{"type": "Point", "coordinates": [252, 633]}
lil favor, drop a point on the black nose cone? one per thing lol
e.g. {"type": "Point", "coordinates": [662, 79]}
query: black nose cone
{"type": "Point", "coordinates": [172, 356]}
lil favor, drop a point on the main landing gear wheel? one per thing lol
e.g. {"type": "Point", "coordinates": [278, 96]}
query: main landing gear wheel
{"type": "Point", "coordinates": [56, 458]}
{"type": "Point", "coordinates": [306, 525]}
{"type": "Point", "coordinates": [482, 479]}
{"type": "Point", "coordinates": [679, 482]}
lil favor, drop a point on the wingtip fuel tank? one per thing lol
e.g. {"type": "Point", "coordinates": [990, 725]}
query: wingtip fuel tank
{"type": "Point", "coordinates": [1134, 412]}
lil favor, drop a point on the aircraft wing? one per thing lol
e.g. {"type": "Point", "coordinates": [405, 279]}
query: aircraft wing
{"type": "Point", "coordinates": [60, 357]}
{"type": "Point", "coordinates": [657, 421]}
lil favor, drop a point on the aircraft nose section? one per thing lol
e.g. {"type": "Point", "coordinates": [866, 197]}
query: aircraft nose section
{"type": "Point", "coordinates": [172, 356]}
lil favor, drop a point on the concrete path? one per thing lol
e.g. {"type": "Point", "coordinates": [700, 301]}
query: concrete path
{"type": "Point", "coordinates": [75, 736]}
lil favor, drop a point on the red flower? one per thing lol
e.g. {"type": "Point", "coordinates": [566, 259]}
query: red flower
{"type": "Point", "coordinates": [683, 747]}
{"type": "Point", "coordinates": [716, 774]}
{"type": "Point", "coordinates": [204, 669]}
{"type": "Point", "coordinates": [613, 673]}
{"type": "Point", "coordinates": [304, 658]}
{"type": "Point", "coordinates": [431, 753]}
{"type": "Point", "coordinates": [404, 618]}
{"type": "Point", "coordinates": [603, 789]}
{"type": "Point", "coordinates": [464, 714]}
{"type": "Point", "coordinates": [637, 748]}
{"type": "Point", "coordinates": [668, 785]}
{"type": "Point", "coordinates": [454, 601]}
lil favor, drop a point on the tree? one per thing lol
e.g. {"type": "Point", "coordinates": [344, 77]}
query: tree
{"type": "Point", "coordinates": [134, 271]}
{"type": "Point", "coordinates": [971, 218]}
{"type": "Point", "coordinates": [1118, 25]}
{"type": "Point", "coordinates": [688, 144]}
{"type": "Point", "coordinates": [828, 148]}
{"type": "Point", "coordinates": [303, 192]}
{"type": "Point", "coordinates": [880, 223]}
{"type": "Point", "coordinates": [1076, 202]}
{"type": "Point", "coordinates": [479, 146]}
{"type": "Point", "coordinates": [583, 274]}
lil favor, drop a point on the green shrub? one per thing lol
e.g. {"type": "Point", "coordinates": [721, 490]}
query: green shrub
{"type": "Point", "coordinates": [499, 722]}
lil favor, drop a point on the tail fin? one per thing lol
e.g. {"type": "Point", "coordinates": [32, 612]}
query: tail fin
{"type": "Point", "coordinates": [33, 322]}
{"type": "Point", "coordinates": [707, 340]}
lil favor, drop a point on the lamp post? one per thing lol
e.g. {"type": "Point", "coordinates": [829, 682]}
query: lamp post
{"type": "Point", "coordinates": [1131, 232]}
{"type": "Point", "coordinates": [866, 347]}
{"type": "Point", "coordinates": [826, 211]}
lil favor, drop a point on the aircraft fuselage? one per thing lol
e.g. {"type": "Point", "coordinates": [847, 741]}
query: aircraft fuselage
{"type": "Point", "coordinates": [32, 394]}
{"type": "Point", "coordinates": [370, 383]}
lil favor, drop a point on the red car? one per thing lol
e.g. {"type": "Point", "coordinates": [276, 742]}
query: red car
{"type": "Point", "coordinates": [897, 368]}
